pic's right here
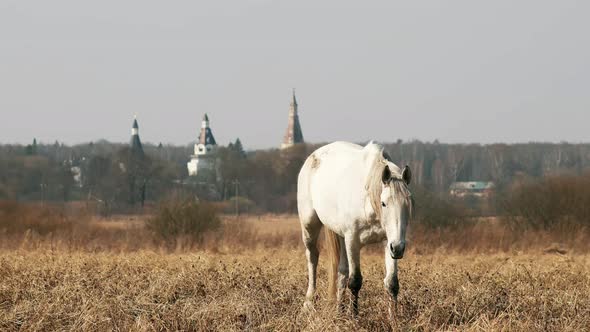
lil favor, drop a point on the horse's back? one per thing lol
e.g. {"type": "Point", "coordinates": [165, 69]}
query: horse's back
{"type": "Point", "coordinates": [326, 160]}
{"type": "Point", "coordinates": [330, 182]}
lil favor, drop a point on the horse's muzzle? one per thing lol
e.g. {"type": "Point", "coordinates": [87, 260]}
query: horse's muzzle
{"type": "Point", "coordinates": [397, 250]}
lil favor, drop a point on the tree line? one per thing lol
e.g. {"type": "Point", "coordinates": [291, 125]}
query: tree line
{"type": "Point", "coordinates": [264, 180]}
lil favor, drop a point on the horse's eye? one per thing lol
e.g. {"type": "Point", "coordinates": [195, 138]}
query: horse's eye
{"type": "Point", "coordinates": [382, 204]}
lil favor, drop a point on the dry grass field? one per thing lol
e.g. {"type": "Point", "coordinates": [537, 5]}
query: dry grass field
{"type": "Point", "coordinates": [263, 291]}
{"type": "Point", "coordinates": [92, 274]}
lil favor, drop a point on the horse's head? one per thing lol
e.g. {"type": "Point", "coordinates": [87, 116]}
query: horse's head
{"type": "Point", "coordinates": [396, 207]}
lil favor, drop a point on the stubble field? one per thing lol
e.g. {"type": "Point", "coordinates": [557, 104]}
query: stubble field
{"type": "Point", "coordinates": [255, 278]}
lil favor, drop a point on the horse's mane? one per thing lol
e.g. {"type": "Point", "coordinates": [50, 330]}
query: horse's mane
{"type": "Point", "coordinates": [374, 179]}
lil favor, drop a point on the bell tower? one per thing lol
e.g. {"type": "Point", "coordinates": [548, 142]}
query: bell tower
{"type": "Point", "coordinates": [294, 135]}
{"type": "Point", "coordinates": [204, 152]}
{"type": "Point", "coordinates": [135, 141]}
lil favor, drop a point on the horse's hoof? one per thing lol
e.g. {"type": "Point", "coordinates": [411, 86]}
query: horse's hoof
{"type": "Point", "coordinates": [341, 308]}
{"type": "Point", "coordinates": [392, 310]}
{"type": "Point", "coordinates": [308, 306]}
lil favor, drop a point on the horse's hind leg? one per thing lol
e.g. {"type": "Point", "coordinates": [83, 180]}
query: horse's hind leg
{"type": "Point", "coordinates": [355, 279]}
{"type": "Point", "coordinates": [310, 229]}
{"type": "Point", "coordinates": [342, 275]}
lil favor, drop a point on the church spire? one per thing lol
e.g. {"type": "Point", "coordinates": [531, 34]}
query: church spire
{"type": "Point", "coordinates": [135, 127]}
{"type": "Point", "coordinates": [294, 101]}
{"type": "Point", "coordinates": [294, 135]}
{"type": "Point", "coordinates": [135, 141]}
{"type": "Point", "coordinates": [206, 136]}
{"type": "Point", "coordinates": [205, 151]}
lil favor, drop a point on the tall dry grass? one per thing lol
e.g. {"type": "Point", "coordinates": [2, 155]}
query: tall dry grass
{"type": "Point", "coordinates": [34, 226]}
{"type": "Point", "coordinates": [68, 270]}
{"type": "Point", "coordinates": [264, 291]}
{"type": "Point", "coordinates": [44, 226]}
{"type": "Point", "coordinates": [52, 227]}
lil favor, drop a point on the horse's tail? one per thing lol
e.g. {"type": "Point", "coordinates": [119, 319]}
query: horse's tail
{"type": "Point", "coordinates": [333, 248]}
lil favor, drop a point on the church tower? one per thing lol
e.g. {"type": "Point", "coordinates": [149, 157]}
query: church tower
{"type": "Point", "coordinates": [135, 141]}
{"type": "Point", "coordinates": [205, 148]}
{"type": "Point", "coordinates": [293, 135]}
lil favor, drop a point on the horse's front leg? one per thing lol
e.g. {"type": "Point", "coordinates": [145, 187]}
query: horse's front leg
{"type": "Point", "coordinates": [355, 279]}
{"type": "Point", "coordinates": [391, 281]}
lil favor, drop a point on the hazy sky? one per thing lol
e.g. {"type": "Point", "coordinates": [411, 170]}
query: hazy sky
{"type": "Point", "coordinates": [457, 71]}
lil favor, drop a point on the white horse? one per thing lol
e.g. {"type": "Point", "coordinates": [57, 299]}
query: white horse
{"type": "Point", "coordinates": [361, 197]}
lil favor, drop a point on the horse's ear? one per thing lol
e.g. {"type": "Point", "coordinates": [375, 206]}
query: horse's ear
{"type": "Point", "coordinates": [407, 174]}
{"type": "Point", "coordinates": [386, 176]}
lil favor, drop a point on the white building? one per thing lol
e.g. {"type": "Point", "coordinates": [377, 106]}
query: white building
{"type": "Point", "coordinates": [205, 148]}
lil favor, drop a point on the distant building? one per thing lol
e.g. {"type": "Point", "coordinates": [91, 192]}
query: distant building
{"type": "Point", "coordinates": [135, 144]}
{"type": "Point", "coordinates": [294, 135]}
{"type": "Point", "coordinates": [77, 175]}
{"type": "Point", "coordinates": [134, 163]}
{"type": "Point", "coordinates": [472, 188]}
{"type": "Point", "coordinates": [75, 166]}
{"type": "Point", "coordinates": [204, 154]}
{"type": "Point", "coordinates": [135, 147]}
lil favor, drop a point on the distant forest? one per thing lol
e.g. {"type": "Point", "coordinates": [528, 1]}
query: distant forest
{"type": "Point", "coordinates": [264, 180]}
